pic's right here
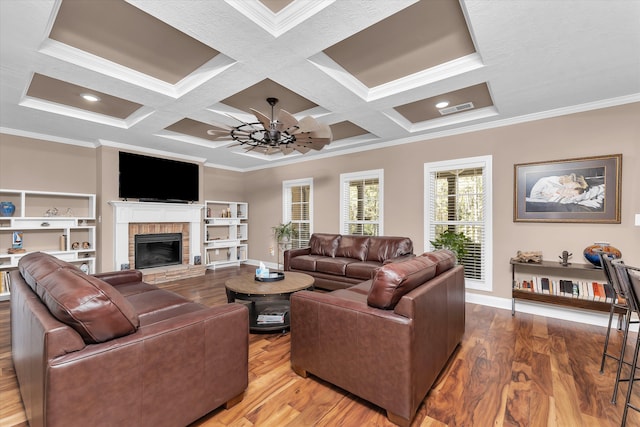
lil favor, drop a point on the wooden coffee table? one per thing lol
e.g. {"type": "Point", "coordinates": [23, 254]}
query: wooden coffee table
{"type": "Point", "coordinates": [264, 297]}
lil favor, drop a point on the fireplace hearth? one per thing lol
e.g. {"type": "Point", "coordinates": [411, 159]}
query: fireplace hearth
{"type": "Point", "coordinates": [157, 250]}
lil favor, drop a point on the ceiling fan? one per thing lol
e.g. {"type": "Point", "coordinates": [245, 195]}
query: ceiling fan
{"type": "Point", "coordinates": [283, 133]}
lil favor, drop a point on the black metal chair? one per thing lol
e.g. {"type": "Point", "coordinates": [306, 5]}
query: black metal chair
{"type": "Point", "coordinates": [618, 303]}
{"type": "Point", "coordinates": [629, 280]}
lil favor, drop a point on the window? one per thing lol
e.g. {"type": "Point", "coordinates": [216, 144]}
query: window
{"type": "Point", "coordinates": [297, 198]}
{"type": "Point", "coordinates": [361, 203]}
{"type": "Point", "coordinates": [458, 198]}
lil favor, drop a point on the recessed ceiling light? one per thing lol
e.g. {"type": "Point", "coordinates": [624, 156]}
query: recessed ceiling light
{"type": "Point", "coordinates": [442, 104]}
{"type": "Point", "coordinates": [89, 97]}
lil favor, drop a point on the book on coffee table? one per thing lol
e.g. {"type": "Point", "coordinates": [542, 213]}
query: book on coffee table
{"type": "Point", "coordinates": [271, 315]}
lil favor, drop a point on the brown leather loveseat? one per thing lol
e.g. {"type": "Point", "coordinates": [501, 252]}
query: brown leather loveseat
{"type": "Point", "coordinates": [112, 350]}
{"type": "Point", "coordinates": [387, 339]}
{"type": "Point", "coordinates": [339, 261]}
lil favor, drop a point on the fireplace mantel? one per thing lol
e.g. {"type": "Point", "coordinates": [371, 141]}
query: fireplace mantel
{"type": "Point", "coordinates": [149, 212]}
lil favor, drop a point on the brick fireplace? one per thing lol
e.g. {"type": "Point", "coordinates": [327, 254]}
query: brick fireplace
{"type": "Point", "coordinates": [158, 228]}
{"type": "Point", "coordinates": [133, 218]}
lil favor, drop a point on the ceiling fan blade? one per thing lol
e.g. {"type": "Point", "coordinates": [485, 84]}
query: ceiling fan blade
{"type": "Point", "coordinates": [316, 145]}
{"type": "Point", "coordinates": [287, 120]}
{"type": "Point", "coordinates": [305, 138]}
{"type": "Point", "coordinates": [217, 133]}
{"type": "Point", "coordinates": [323, 131]}
{"type": "Point", "coordinates": [287, 149]}
{"type": "Point", "coordinates": [307, 124]}
{"type": "Point", "coordinates": [266, 121]}
{"type": "Point", "coordinates": [303, 149]}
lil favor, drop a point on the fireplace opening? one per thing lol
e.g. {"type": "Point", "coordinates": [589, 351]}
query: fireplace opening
{"type": "Point", "coordinates": [156, 250]}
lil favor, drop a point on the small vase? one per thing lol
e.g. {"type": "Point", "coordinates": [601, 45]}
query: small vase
{"type": "Point", "coordinates": [7, 208]}
{"type": "Point", "coordinates": [591, 253]}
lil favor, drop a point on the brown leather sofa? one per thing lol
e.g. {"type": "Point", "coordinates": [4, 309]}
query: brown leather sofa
{"type": "Point", "coordinates": [112, 350]}
{"type": "Point", "coordinates": [386, 339]}
{"type": "Point", "coordinates": [339, 261]}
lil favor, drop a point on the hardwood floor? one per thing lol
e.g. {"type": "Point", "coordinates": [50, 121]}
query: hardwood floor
{"type": "Point", "coordinates": [509, 371]}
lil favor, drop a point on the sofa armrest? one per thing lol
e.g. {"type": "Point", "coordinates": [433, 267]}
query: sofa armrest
{"type": "Point", "coordinates": [399, 259]}
{"type": "Point", "coordinates": [115, 278]}
{"type": "Point", "coordinates": [292, 253]}
{"type": "Point", "coordinates": [170, 372]}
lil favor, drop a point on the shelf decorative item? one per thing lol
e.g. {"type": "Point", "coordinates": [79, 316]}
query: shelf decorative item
{"type": "Point", "coordinates": [565, 258]}
{"type": "Point", "coordinates": [7, 208]}
{"type": "Point", "coordinates": [16, 241]}
{"type": "Point", "coordinates": [591, 252]}
{"type": "Point", "coordinates": [534, 257]}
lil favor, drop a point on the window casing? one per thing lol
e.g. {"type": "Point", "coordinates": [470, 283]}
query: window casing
{"type": "Point", "coordinates": [361, 203]}
{"type": "Point", "coordinates": [297, 198]}
{"type": "Point", "coordinates": [458, 196]}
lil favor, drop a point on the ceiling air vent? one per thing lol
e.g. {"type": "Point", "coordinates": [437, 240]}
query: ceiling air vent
{"type": "Point", "coordinates": [456, 108]}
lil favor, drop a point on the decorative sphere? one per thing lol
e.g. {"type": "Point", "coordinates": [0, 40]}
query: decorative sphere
{"type": "Point", "coordinates": [7, 208]}
{"type": "Point", "coordinates": [591, 253]}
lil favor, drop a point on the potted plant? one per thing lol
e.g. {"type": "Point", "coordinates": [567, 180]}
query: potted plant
{"type": "Point", "coordinates": [453, 241]}
{"type": "Point", "coordinates": [285, 232]}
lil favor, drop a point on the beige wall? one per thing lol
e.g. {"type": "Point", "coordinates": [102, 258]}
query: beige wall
{"type": "Point", "coordinates": [608, 131]}
{"type": "Point", "coordinates": [33, 164]}
{"type": "Point", "coordinates": [38, 165]}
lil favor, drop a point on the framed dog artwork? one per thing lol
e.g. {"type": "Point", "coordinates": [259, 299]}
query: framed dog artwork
{"type": "Point", "coordinates": [583, 189]}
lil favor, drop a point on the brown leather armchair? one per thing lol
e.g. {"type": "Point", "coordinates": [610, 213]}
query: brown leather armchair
{"type": "Point", "coordinates": [387, 339]}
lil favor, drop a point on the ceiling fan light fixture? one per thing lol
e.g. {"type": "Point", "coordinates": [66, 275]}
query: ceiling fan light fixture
{"type": "Point", "coordinates": [271, 135]}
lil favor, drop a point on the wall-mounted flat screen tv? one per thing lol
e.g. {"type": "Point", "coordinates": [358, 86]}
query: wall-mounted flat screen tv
{"type": "Point", "coordinates": [153, 179]}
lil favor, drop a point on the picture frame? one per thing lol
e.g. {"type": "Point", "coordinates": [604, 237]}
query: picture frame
{"type": "Point", "coordinates": [583, 190]}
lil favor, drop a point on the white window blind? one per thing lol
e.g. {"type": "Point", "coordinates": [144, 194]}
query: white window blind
{"type": "Point", "coordinates": [297, 196]}
{"type": "Point", "coordinates": [458, 198]}
{"type": "Point", "coordinates": [361, 203]}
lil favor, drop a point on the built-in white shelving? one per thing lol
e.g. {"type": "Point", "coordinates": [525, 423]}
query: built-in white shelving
{"type": "Point", "coordinates": [226, 231]}
{"type": "Point", "coordinates": [61, 224]}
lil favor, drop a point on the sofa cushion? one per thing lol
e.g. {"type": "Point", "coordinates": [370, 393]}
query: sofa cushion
{"type": "Point", "coordinates": [353, 247]}
{"type": "Point", "coordinates": [444, 259]}
{"type": "Point", "coordinates": [304, 262]}
{"type": "Point", "coordinates": [37, 265]}
{"type": "Point", "coordinates": [89, 305]}
{"type": "Point", "coordinates": [382, 248]}
{"type": "Point", "coordinates": [335, 265]}
{"type": "Point", "coordinates": [362, 270]}
{"type": "Point", "coordinates": [394, 280]}
{"type": "Point", "coordinates": [155, 300]}
{"type": "Point", "coordinates": [324, 244]}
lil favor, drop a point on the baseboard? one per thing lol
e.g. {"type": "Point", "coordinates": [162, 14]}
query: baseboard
{"type": "Point", "coordinates": [571, 314]}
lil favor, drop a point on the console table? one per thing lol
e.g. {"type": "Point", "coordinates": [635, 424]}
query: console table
{"type": "Point", "coordinates": [558, 270]}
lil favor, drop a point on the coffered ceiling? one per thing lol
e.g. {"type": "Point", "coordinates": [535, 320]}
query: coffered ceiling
{"type": "Point", "coordinates": [166, 71]}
